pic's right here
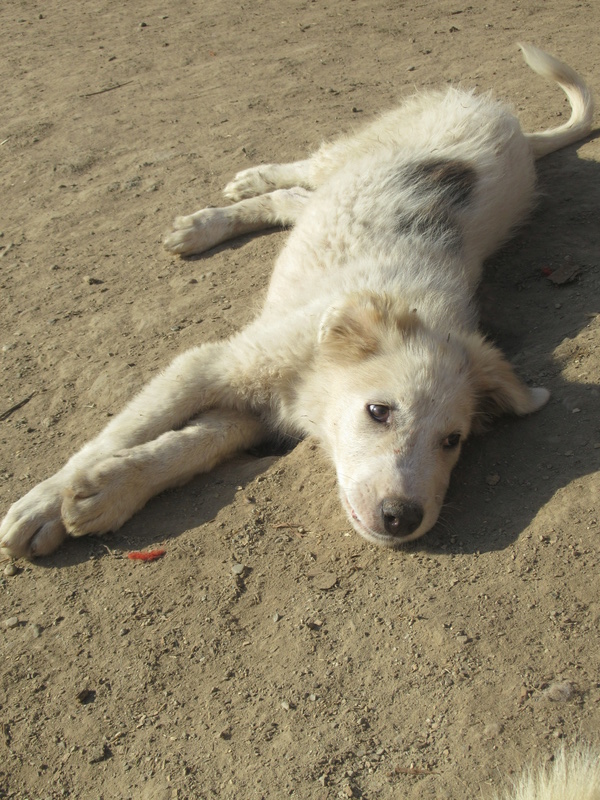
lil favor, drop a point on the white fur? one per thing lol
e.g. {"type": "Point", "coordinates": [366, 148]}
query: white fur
{"type": "Point", "coordinates": [571, 776]}
{"type": "Point", "coordinates": [367, 337]}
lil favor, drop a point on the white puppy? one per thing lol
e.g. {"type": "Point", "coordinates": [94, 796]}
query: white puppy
{"type": "Point", "coordinates": [368, 334]}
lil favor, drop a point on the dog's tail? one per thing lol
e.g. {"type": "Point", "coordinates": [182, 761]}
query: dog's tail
{"type": "Point", "coordinates": [579, 96]}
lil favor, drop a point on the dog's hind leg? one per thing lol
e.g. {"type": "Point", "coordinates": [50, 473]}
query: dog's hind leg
{"type": "Point", "coordinates": [103, 498]}
{"type": "Point", "coordinates": [267, 177]}
{"type": "Point", "coordinates": [211, 226]}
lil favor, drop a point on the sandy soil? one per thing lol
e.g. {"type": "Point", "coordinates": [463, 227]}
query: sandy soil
{"type": "Point", "coordinates": [328, 668]}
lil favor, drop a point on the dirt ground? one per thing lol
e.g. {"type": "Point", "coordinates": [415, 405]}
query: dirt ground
{"type": "Point", "coordinates": [327, 667]}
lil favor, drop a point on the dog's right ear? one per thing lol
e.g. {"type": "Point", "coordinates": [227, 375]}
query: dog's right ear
{"type": "Point", "coordinates": [358, 328]}
{"type": "Point", "coordinates": [498, 390]}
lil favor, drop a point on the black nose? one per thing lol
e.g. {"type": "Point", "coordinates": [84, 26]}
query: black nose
{"type": "Point", "coordinates": [401, 517]}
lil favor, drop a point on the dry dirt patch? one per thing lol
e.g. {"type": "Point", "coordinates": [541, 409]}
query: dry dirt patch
{"type": "Point", "coordinates": [324, 667]}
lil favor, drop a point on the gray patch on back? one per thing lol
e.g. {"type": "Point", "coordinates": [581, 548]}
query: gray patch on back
{"type": "Point", "coordinates": [439, 189]}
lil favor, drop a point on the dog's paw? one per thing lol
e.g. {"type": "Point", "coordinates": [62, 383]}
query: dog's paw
{"type": "Point", "coordinates": [197, 232]}
{"type": "Point", "coordinates": [103, 498]}
{"type": "Point", "coordinates": [249, 183]}
{"type": "Point", "coordinates": [33, 525]}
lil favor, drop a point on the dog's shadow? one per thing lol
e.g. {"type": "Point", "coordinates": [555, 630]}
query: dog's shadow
{"type": "Point", "coordinates": [168, 515]}
{"type": "Point", "coordinates": [505, 478]}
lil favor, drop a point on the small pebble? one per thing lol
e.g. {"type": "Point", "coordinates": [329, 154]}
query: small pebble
{"type": "Point", "coordinates": [10, 570]}
{"type": "Point", "coordinates": [86, 696]}
{"type": "Point", "coordinates": [36, 630]}
{"type": "Point", "coordinates": [11, 622]}
{"type": "Point", "coordinates": [238, 569]}
{"type": "Point", "coordinates": [276, 617]}
{"type": "Point", "coordinates": [97, 753]}
{"type": "Point", "coordinates": [285, 705]}
{"type": "Point", "coordinates": [325, 580]}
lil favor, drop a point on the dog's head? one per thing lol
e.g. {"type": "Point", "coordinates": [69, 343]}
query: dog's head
{"type": "Point", "coordinates": [399, 401]}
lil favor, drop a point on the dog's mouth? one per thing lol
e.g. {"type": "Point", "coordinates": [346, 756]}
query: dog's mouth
{"type": "Point", "coordinates": [367, 533]}
{"type": "Point", "coordinates": [377, 537]}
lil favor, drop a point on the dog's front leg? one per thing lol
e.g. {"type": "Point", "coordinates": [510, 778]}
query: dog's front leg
{"type": "Point", "coordinates": [103, 498]}
{"type": "Point", "coordinates": [265, 178]}
{"type": "Point", "coordinates": [198, 380]}
{"type": "Point", "coordinates": [212, 226]}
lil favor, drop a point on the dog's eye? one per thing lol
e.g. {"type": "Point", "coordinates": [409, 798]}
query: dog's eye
{"type": "Point", "coordinates": [378, 412]}
{"type": "Point", "coordinates": [451, 442]}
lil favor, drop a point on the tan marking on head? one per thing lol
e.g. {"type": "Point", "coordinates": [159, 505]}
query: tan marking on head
{"type": "Point", "coordinates": [358, 328]}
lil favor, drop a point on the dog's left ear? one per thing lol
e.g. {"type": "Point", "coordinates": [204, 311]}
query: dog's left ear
{"type": "Point", "coordinates": [359, 327]}
{"type": "Point", "coordinates": [498, 390]}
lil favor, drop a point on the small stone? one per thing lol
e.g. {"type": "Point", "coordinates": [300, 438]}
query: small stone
{"type": "Point", "coordinates": [86, 696]}
{"type": "Point", "coordinates": [325, 580]}
{"type": "Point", "coordinates": [238, 569]}
{"type": "Point", "coordinates": [523, 695]}
{"type": "Point", "coordinates": [276, 617]}
{"type": "Point", "coordinates": [225, 734]}
{"type": "Point", "coordinates": [10, 570]}
{"type": "Point", "coordinates": [97, 753]}
{"type": "Point", "coordinates": [11, 622]}
{"type": "Point", "coordinates": [36, 630]}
